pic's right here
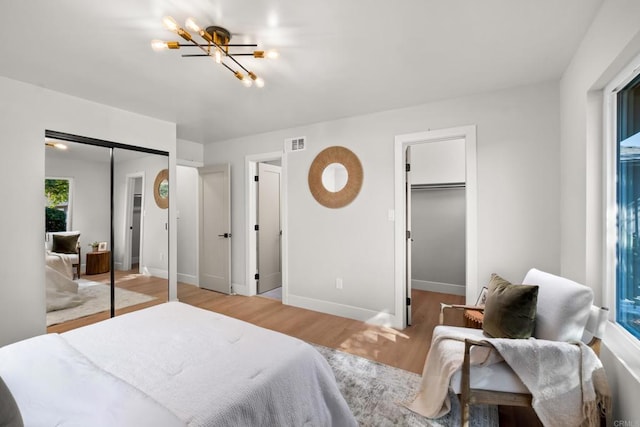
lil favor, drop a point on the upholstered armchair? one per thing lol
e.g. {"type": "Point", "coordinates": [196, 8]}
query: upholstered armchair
{"type": "Point", "coordinates": [564, 314]}
{"type": "Point", "coordinates": [67, 243]}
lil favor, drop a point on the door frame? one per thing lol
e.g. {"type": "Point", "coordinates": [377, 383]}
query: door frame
{"type": "Point", "coordinates": [400, 144]}
{"type": "Point", "coordinates": [251, 204]}
{"type": "Point", "coordinates": [128, 215]}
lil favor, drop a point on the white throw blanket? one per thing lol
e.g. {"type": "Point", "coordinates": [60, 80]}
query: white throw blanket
{"type": "Point", "coordinates": [443, 360]}
{"type": "Point", "coordinates": [61, 291]}
{"type": "Point", "coordinates": [566, 380]}
{"type": "Point", "coordinates": [60, 262]}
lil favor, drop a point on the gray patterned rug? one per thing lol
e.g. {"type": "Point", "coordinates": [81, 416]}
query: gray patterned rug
{"type": "Point", "coordinates": [374, 390]}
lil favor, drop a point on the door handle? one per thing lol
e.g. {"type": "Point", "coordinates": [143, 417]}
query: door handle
{"type": "Point", "coordinates": [225, 235]}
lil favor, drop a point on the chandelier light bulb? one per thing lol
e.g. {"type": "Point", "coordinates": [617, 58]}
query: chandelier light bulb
{"type": "Point", "coordinates": [273, 54]}
{"type": "Point", "coordinates": [191, 24]}
{"type": "Point", "coordinates": [247, 82]}
{"type": "Point", "coordinates": [170, 24]}
{"type": "Point", "coordinates": [158, 45]}
{"type": "Point", "coordinates": [258, 80]}
{"type": "Point", "coordinates": [217, 56]}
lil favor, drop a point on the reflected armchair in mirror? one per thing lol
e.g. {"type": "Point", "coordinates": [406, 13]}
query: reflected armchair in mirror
{"type": "Point", "coordinates": [65, 244]}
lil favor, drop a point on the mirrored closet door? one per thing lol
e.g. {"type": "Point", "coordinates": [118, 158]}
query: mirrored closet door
{"type": "Point", "coordinates": [106, 245]}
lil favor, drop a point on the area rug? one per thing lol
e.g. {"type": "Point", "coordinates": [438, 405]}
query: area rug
{"type": "Point", "coordinates": [97, 298]}
{"type": "Point", "coordinates": [374, 392]}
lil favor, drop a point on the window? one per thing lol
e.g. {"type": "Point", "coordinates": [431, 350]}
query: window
{"type": "Point", "coordinates": [627, 274]}
{"type": "Point", "coordinates": [57, 191]}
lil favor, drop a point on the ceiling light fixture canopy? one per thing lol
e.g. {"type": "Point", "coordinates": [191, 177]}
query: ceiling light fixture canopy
{"type": "Point", "coordinates": [216, 46]}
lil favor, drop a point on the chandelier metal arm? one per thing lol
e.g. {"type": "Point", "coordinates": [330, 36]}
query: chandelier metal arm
{"type": "Point", "coordinates": [191, 55]}
{"type": "Point", "coordinates": [222, 45]}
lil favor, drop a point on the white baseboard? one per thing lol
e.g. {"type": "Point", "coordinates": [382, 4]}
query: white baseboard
{"type": "Point", "coordinates": [239, 289]}
{"type": "Point", "coordinates": [189, 279]}
{"type": "Point", "coordinates": [156, 272]}
{"type": "Point", "coordinates": [445, 288]}
{"type": "Point", "coordinates": [351, 312]}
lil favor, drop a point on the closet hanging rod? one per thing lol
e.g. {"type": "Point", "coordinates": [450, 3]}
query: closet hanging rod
{"type": "Point", "coordinates": [438, 186]}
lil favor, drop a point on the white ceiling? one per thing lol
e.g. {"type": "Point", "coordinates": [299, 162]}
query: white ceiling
{"type": "Point", "coordinates": [339, 58]}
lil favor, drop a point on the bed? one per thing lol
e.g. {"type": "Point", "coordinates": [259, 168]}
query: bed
{"type": "Point", "coordinates": [172, 365]}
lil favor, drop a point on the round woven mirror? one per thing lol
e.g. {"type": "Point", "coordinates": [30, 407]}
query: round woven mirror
{"type": "Point", "coordinates": [335, 177]}
{"type": "Point", "coordinates": [161, 189]}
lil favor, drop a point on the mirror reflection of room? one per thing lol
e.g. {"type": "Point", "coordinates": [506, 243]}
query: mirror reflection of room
{"type": "Point", "coordinates": [78, 247]}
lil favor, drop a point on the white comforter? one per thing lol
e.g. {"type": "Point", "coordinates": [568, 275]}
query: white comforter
{"type": "Point", "coordinates": [54, 385]}
{"type": "Point", "coordinates": [212, 370]}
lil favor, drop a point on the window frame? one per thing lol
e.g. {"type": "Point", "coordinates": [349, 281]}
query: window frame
{"type": "Point", "coordinates": [610, 147]}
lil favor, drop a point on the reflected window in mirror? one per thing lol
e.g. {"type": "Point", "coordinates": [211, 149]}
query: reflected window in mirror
{"type": "Point", "coordinates": [57, 193]}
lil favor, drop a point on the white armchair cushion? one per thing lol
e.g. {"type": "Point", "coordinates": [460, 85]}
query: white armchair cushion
{"type": "Point", "coordinates": [491, 376]}
{"type": "Point", "coordinates": [563, 306]}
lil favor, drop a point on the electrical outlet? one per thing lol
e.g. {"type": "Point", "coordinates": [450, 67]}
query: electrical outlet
{"type": "Point", "coordinates": [339, 283]}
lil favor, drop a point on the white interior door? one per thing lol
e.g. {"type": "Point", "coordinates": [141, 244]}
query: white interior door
{"type": "Point", "coordinates": [215, 229]}
{"type": "Point", "coordinates": [408, 232]}
{"type": "Point", "coordinates": [269, 228]}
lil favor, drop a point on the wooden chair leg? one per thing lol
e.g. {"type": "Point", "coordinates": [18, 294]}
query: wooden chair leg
{"type": "Point", "coordinates": [465, 392]}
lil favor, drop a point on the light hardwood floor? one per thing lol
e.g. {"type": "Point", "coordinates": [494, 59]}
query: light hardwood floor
{"type": "Point", "coordinates": [406, 349]}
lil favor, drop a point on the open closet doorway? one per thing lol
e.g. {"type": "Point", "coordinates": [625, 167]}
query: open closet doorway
{"type": "Point", "coordinates": [438, 146]}
{"type": "Point", "coordinates": [265, 211]}
{"type": "Point", "coordinates": [269, 229]}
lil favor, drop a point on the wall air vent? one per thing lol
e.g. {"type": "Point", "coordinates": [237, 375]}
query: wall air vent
{"type": "Point", "coordinates": [295, 144]}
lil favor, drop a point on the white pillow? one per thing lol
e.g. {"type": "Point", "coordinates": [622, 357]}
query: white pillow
{"type": "Point", "coordinates": [563, 306]}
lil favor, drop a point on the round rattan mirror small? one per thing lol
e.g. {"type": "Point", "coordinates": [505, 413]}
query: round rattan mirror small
{"type": "Point", "coordinates": [335, 177]}
{"type": "Point", "coordinates": [161, 189]}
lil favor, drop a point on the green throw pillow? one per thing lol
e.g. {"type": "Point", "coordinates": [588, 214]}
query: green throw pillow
{"type": "Point", "coordinates": [510, 310]}
{"type": "Point", "coordinates": [65, 244]}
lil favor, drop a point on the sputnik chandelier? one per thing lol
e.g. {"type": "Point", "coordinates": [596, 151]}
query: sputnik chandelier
{"type": "Point", "coordinates": [216, 46]}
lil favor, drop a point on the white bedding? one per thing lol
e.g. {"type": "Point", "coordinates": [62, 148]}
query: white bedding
{"type": "Point", "coordinates": [54, 385]}
{"type": "Point", "coordinates": [212, 370]}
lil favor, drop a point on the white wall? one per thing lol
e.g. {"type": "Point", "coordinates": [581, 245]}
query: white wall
{"type": "Point", "coordinates": [517, 137]}
{"type": "Point", "coordinates": [25, 112]}
{"type": "Point", "coordinates": [90, 208]}
{"type": "Point", "coordinates": [611, 41]}
{"type": "Point", "coordinates": [187, 204]}
{"type": "Point", "coordinates": [189, 153]}
{"type": "Point", "coordinates": [438, 162]}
